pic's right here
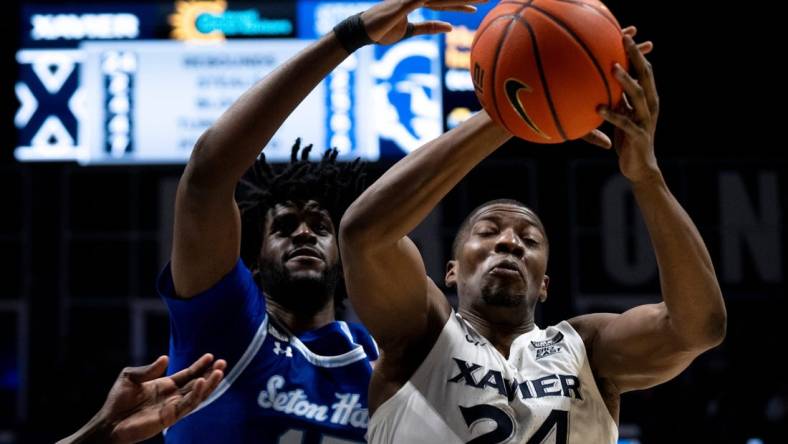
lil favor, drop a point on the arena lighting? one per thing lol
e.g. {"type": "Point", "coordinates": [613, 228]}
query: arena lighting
{"type": "Point", "coordinates": [212, 20]}
{"type": "Point", "coordinates": [247, 23]}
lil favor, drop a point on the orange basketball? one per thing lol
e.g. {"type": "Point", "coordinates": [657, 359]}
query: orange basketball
{"type": "Point", "coordinates": [540, 68]}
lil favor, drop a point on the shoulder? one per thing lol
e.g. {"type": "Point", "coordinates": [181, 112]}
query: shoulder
{"type": "Point", "coordinates": [239, 278]}
{"type": "Point", "coordinates": [361, 336]}
{"type": "Point", "coordinates": [588, 326]}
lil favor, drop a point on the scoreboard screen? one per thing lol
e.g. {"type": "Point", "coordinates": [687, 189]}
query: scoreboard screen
{"type": "Point", "coordinates": [138, 83]}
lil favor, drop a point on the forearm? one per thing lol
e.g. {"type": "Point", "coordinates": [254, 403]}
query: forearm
{"type": "Point", "coordinates": [391, 207]}
{"type": "Point", "coordinates": [689, 285]}
{"type": "Point", "coordinates": [97, 430]}
{"type": "Point", "coordinates": [225, 151]}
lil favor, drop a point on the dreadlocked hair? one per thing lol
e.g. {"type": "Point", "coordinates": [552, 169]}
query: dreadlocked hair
{"type": "Point", "coordinates": [332, 185]}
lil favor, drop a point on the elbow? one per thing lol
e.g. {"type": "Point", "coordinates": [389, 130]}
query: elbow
{"type": "Point", "coordinates": [360, 229]}
{"type": "Point", "coordinates": [351, 230]}
{"type": "Point", "coordinates": [712, 331]}
{"type": "Point", "coordinates": [208, 172]}
{"type": "Point", "coordinates": [717, 322]}
{"type": "Point", "coordinates": [717, 328]}
{"type": "Point", "coordinates": [197, 172]}
{"type": "Point", "coordinates": [699, 332]}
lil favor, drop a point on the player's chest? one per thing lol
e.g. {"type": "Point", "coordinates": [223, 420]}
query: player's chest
{"type": "Point", "coordinates": [487, 395]}
{"type": "Point", "coordinates": [281, 381]}
{"type": "Point", "coordinates": [482, 372]}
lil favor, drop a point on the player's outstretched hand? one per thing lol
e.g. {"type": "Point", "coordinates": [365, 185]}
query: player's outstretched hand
{"type": "Point", "coordinates": [142, 403]}
{"type": "Point", "coordinates": [387, 22]}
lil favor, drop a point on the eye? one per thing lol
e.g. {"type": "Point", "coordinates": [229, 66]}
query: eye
{"type": "Point", "coordinates": [530, 242]}
{"type": "Point", "coordinates": [322, 228]}
{"type": "Point", "coordinates": [283, 226]}
{"type": "Point", "coordinates": [486, 229]}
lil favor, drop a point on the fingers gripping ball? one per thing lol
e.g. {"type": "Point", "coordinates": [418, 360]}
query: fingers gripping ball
{"type": "Point", "coordinates": [540, 68]}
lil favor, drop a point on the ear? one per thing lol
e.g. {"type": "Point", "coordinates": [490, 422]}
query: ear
{"type": "Point", "coordinates": [543, 288]}
{"type": "Point", "coordinates": [451, 274]}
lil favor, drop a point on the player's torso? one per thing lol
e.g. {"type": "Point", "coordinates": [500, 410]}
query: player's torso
{"type": "Point", "coordinates": [288, 394]}
{"type": "Point", "coordinates": [466, 391]}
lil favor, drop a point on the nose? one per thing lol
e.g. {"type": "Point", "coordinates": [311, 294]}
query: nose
{"type": "Point", "coordinates": [510, 243]}
{"type": "Point", "coordinates": [304, 235]}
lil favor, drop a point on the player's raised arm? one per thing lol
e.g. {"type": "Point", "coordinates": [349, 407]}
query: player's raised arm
{"type": "Point", "coordinates": [206, 239]}
{"type": "Point", "coordinates": [386, 280]}
{"type": "Point", "coordinates": [653, 343]}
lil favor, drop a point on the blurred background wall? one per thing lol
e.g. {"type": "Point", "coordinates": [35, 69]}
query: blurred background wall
{"type": "Point", "coordinates": [81, 246]}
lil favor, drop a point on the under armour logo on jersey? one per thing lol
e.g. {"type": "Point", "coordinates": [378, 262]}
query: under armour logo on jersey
{"type": "Point", "coordinates": [279, 350]}
{"type": "Point", "coordinates": [549, 346]}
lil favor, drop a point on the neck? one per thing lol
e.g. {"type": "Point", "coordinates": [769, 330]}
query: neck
{"type": "Point", "coordinates": [500, 331]}
{"type": "Point", "coordinates": [301, 322]}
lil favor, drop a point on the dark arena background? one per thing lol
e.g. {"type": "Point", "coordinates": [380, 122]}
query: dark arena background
{"type": "Point", "coordinates": [102, 102]}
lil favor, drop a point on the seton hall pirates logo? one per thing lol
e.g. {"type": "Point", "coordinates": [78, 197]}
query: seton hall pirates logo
{"type": "Point", "coordinates": [549, 346]}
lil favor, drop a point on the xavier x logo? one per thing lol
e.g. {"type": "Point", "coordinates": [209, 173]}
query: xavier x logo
{"type": "Point", "coordinates": [51, 103]}
{"type": "Point", "coordinates": [513, 86]}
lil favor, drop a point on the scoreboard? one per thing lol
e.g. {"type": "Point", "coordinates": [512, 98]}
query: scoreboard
{"type": "Point", "coordinates": [138, 83]}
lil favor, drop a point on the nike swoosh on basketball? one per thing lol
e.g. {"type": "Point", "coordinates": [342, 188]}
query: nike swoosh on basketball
{"type": "Point", "coordinates": [513, 86]}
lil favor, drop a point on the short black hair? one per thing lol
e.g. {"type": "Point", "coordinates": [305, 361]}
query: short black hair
{"type": "Point", "coordinates": [333, 185]}
{"type": "Point", "coordinates": [466, 224]}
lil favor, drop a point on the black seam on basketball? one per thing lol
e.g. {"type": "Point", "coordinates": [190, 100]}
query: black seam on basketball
{"type": "Point", "coordinates": [480, 31]}
{"type": "Point", "coordinates": [595, 9]}
{"type": "Point", "coordinates": [515, 2]}
{"type": "Point", "coordinates": [587, 50]}
{"type": "Point", "coordinates": [542, 77]}
{"type": "Point", "coordinates": [495, 64]}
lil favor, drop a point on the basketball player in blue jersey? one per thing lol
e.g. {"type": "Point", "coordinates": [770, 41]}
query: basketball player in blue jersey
{"type": "Point", "coordinates": [488, 374]}
{"type": "Point", "coordinates": [253, 282]}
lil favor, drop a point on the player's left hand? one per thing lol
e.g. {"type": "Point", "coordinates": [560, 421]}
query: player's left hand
{"type": "Point", "coordinates": [141, 403]}
{"type": "Point", "coordinates": [635, 118]}
{"type": "Point", "coordinates": [387, 22]}
{"type": "Point", "coordinates": [143, 406]}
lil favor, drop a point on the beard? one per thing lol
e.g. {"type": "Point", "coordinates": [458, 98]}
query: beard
{"type": "Point", "coordinates": [304, 296]}
{"type": "Point", "coordinates": [499, 296]}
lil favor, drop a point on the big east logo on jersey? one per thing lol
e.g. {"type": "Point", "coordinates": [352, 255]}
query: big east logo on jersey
{"type": "Point", "coordinates": [548, 347]}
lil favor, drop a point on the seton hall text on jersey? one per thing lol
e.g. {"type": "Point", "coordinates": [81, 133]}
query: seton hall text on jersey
{"type": "Point", "coordinates": [346, 411]}
{"type": "Point", "coordinates": [548, 385]}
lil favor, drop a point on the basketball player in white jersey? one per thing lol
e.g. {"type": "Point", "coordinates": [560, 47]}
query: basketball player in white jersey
{"type": "Point", "coordinates": [487, 373]}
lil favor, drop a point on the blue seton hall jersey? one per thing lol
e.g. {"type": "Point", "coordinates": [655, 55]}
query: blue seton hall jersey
{"type": "Point", "coordinates": [278, 387]}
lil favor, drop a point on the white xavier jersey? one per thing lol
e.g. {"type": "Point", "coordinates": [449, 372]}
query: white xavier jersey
{"type": "Point", "coordinates": [465, 391]}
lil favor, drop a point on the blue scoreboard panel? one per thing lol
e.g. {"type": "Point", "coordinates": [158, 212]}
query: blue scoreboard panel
{"type": "Point", "coordinates": [138, 83]}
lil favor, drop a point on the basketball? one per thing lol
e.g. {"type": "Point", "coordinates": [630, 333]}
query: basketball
{"type": "Point", "coordinates": [541, 68]}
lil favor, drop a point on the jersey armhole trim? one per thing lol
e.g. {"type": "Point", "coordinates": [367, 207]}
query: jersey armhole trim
{"type": "Point", "coordinates": [587, 361]}
{"type": "Point", "coordinates": [239, 368]}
